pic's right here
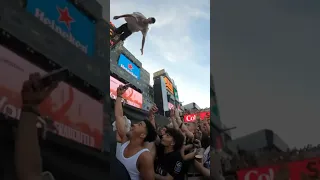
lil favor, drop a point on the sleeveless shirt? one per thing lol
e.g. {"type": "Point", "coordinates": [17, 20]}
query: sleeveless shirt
{"type": "Point", "coordinates": [131, 162]}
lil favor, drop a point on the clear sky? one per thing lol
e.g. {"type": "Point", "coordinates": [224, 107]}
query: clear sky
{"type": "Point", "coordinates": [178, 42]}
{"type": "Point", "coordinates": [265, 64]}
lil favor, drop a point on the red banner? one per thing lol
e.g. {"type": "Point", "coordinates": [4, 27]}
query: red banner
{"type": "Point", "coordinates": [76, 116]}
{"type": "Point", "coordinates": [192, 117]}
{"type": "Point", "coordinates": [297, 170]}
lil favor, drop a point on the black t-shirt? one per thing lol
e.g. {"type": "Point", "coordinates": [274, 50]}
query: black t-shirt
{"type": "Point", "coordinates": [171, 163]}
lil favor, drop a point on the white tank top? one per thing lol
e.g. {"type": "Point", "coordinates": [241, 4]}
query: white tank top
{"type": "Point", "coordinates": [131, 162]}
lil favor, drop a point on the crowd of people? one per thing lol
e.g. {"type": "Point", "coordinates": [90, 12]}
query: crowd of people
{"type": "Point", "coordinates": [176, 151]}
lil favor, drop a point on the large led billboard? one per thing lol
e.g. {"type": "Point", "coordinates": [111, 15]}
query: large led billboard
{"type": "Point", "coordinates": [129, 66]}
{"type": "Point", "coordinates": [132, 97]}
{"type": "Point", "coordinates": [65, 19]}
{"type": "Point", "coordinates": [168, 84]}
{"type": "Point", "coordinates": [76, 116]}
{"type": "Point", "coordinates": [193, 117]}
{"type": "Point", "coordinates": [175, 94]}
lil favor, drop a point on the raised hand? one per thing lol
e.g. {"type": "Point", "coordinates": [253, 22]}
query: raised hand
{"type": "Point", "coordinates": [153, 109]}
{"type": "Point", "coordinates": [33, 92]}
{"type": "Point", "coordinates": [172, 113]}
{"type": "Point", "coordinates": [121, 90]}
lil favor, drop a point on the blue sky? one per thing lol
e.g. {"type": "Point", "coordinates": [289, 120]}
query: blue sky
{"type": "Point", "coordinates": [178, 42]}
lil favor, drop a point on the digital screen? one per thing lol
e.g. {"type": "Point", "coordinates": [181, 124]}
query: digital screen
{"type": "Point", "coordinates": [176, 94]}
{"type": "Point", "coordinates": [65, 19]}
{"type": "Point", "coordinates": [132, 97]}
{"type": "Point", "coordinates": [192, 117]}
{"type": "Point", "coordinates": [169, 85]}
{"type": "Point", "coordinates": [128, 66]}
{"type": "Point", "coordinates": [76, 116]}
{"type": "Point", "coordinates": [299, 169]}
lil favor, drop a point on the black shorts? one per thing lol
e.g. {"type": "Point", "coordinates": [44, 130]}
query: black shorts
{"type": "Point", "coordinates": [124, 31]}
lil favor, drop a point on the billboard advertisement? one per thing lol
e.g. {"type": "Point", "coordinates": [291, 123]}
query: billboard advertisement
{"type": "Point", "coordinates": [132, 97]}
{"type": "Point", "coordinates": [297, 170]}
{"type": "Point", "coordinates": [76, 116]}
{"type": "Point", "coordinates": [65, 19]}
{"type": "Point", "coordinates": [164, 95]}
{"type": "Point", "coordinates": [127, 65]}
{"type": "Point", "coordinates": [175, 94]}
{"type": "Point", "coordinates": [168, 84]}
{"type": "Point", "coordinates": [192, 117]}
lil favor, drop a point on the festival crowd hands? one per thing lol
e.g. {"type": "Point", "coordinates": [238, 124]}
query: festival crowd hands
{"type": "Point", "coordinates": [27, 150]}
{"type": "Point", "coordinates": [177, 147]}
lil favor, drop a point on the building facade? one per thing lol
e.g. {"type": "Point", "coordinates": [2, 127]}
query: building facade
{"type": "Point", "coordinates": [165, 92]}
{"type": "Point", "coordinates": [127, 69]}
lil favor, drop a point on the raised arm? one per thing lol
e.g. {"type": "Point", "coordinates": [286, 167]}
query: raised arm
{"type": "Point", "coordinates": [123, 16]}
{"type": "Point", "coordinates": [173, 119]}
{"type": "Point", "coordinates": [190, 155]}
{"type": "Point", "coordinates": [182, 126]}
{"type": "Point", "coordinates": [152, 145]}
{"type": "Point", "coordinates": [27, 149]}
{"type": "Point", "coordinates": [118, 112]}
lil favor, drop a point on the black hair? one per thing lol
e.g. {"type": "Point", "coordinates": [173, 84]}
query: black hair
{"type": "Point", "coordinates": [177, 137]}
{"type": "Point", "coordinates": [151, 132]}
{"type": "Point", "coordinates": [153, 20]}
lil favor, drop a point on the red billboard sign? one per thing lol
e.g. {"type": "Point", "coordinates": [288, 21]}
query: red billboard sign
{"type": "Point", "coordinates": [192, 117]}
{"type": "Point", "coordinates": [133, 97]}
{"type": "Point", "coordinates": [76, 116]}
{"type": "Point", "coordinates": [297, 170]}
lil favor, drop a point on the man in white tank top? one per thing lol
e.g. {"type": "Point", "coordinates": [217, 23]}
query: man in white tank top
{"type": "Point", "coordinates": [135, 22]}
{"type": "Point", "coordinates": [131, 152]}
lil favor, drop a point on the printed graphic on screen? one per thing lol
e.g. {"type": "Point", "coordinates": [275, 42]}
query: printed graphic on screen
{"type": "Point", "coordinates": [76, 115]}
{"type": "Point", "coordinates": [169, 85]}
{"type": "Point", "coordinates": [296, 170]}
{"type": "Point", "coordinates": [176, 94]}
{"type": "Point", "coordinates": [127, 65]}
{"type": "Point", "coordinates": [65, 19]}
{"type": "Point", "coordinates": [132, 97]}
{"type": "Point", "coordinates": [193, 117]}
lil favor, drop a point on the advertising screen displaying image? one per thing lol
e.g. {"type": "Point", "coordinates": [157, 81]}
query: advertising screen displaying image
{"type": "Point", "coordinates": [76, 116]}
{"type": "Point", "coordinates": [132, 97]}
{"type": "Point", "coordinates": [192, 117]}
{"type": "Point", "coordinates": [127, 65]}
{"type": "Point", "coordinates": [65, 19]}
{"type": "Point", "coordinates": [168, 84]}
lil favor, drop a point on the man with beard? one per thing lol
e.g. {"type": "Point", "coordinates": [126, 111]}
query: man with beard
{"type": "Point", "coordinates": [131, 150]}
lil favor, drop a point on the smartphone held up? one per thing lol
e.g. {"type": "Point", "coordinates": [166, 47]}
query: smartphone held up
{"type": "Point", "coordinates": [55, 76]}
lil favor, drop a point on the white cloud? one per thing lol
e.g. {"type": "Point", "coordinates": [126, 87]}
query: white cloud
{"type": "Point", "coordinates": [172, 43]}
